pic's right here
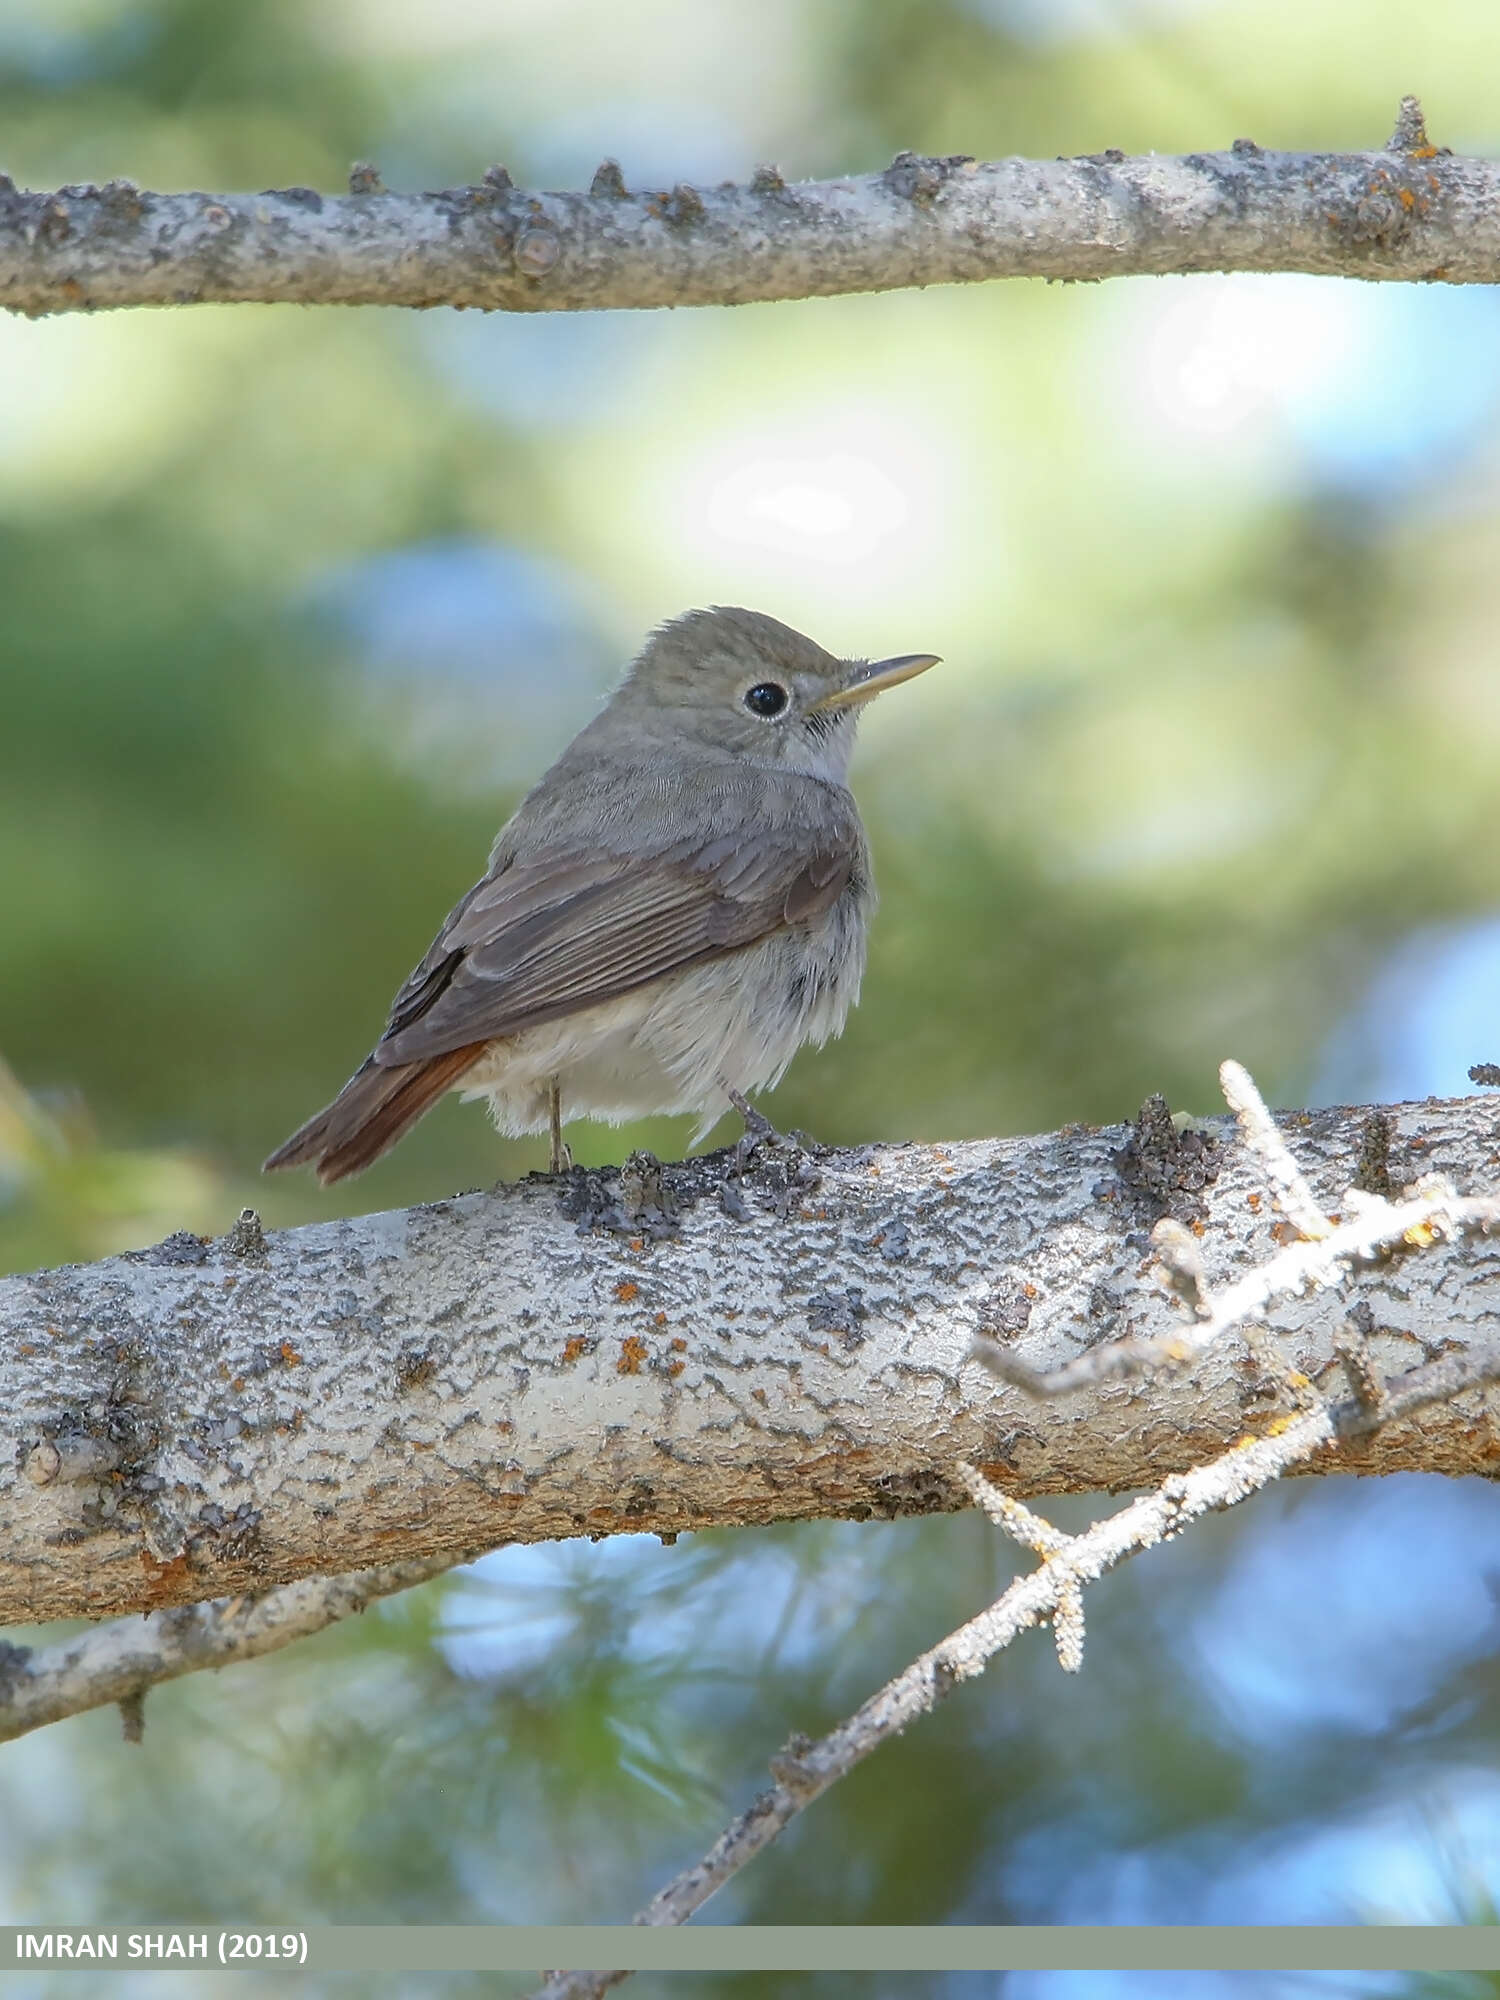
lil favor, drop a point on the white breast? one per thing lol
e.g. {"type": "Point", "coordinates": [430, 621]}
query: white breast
{"type": "Point", "coordinates": [674, 1045]}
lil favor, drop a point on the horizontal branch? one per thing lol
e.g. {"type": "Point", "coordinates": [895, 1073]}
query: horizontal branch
{"type": "Point", "coordinates": [670, 1349]}
{"type": "Point", "coordinates": [1410, 211]}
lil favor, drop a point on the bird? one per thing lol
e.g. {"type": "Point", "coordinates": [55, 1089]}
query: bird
{"type": "Point", "coordinates": [678, 905]}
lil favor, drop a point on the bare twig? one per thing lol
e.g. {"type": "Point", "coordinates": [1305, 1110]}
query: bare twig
{"type": "Point", "coordinates": [1352, 1346]}
{"type": "Point", "coordinates": [1409, 211]}
{"type": "Point", "coordinates": [1294, 1197]}
{"type": "Point", "coordinates": [118, 1662]}
{"type": "Point", "coordinates": [1069, 1562]}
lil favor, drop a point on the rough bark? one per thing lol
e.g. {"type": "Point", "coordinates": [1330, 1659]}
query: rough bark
{"type": "Point", "coordinates": [623, 1352]}
{"type": "Point", "coordinates": [1409, 211]}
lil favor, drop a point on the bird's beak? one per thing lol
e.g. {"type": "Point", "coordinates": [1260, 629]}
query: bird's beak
{"type": "Point", "coordinates": [865, 682]}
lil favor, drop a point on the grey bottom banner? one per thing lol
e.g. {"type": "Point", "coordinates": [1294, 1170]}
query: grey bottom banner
{"type": "Point", "coordinates": [763, 1948]}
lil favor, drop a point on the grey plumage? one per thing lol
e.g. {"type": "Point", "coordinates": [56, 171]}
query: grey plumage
{"type": "Point", "coordinates": [677, 906]}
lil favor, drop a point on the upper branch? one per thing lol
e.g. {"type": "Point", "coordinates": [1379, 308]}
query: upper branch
{"type": "Point", "coordinates": [1410, 211]}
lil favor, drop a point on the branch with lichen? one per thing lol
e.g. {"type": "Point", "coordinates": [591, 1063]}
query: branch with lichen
{"type": "Point", "coordinates": [671, 1347]}
{"type": "Point", "coordinates": [1054, 1591]}
{"type": "Point", "coordinates": [1326, 1255]}
{"type": "Point", "coordinates": [1410, 211]}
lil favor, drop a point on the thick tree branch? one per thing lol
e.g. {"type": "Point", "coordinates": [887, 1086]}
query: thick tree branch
{"type": "Point", "coordinates": [1410, 211]}
{"type": "Point", "coordinates": [673, 1349]}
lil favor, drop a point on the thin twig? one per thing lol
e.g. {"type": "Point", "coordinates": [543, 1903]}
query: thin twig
{"type": "Point", "coordinates": [1375, 1226]}
{"type": "Point", "coordinates": [1298, 1268]}
{"type": "Point", "coordinates": [1294, 1197]}
{"type": "Point", "coordinates": [1053, 1589]}
{"type": "Point", "coordinates": [119, 1661]}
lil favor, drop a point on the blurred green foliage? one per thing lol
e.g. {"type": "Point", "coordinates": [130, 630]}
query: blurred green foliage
{"type": "Point", "coordinates": [1217, 728]}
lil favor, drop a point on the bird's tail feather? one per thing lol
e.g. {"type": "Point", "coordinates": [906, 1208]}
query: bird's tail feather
{"type": "Point", "coordinates": [370, 1114]}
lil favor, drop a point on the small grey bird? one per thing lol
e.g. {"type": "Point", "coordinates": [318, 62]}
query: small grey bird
{"type": "Point", "coordinates": [676, 907]}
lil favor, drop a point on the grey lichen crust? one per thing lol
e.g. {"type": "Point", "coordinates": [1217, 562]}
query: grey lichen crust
{"type": "Point", "coordinates": [1411, 210]}
{"type": "Point", "coordinates": [668, 1348]}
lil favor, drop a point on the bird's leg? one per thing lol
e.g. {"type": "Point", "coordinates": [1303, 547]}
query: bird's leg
{"type": "Point", "coordinates": [759, 1131]}
{"type": "Point", "coordinates": [562, 1159]}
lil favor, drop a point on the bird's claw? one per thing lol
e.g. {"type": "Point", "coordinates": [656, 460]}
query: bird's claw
{"type": "Point", "coordinates": [759, 1131]}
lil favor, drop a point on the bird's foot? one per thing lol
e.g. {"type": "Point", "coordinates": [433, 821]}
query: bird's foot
{"type": "Point", "coordinates": [759, 1131]}
{"type": "Point", "coordinates": [562, 1157]}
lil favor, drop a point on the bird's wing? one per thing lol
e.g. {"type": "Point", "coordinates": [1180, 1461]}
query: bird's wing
{"type": "Point", "coordinates": [549, 935]}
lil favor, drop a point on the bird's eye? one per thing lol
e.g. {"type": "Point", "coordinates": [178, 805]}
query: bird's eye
{"type": "Point", "coordinates": [766, 698]}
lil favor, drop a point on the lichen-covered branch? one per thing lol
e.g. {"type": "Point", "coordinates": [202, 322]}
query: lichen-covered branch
{"type": "Point", "coordinates": [1409, 211]}
{"type": "Point", "coordinates": [677, 1348]}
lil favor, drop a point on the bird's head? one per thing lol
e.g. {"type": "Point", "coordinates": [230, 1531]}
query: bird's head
{"type": "Point", "coordinates": [741, 682]}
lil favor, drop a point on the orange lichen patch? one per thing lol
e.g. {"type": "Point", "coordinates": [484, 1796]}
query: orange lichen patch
{"type": "Point", "coordinates": [660, 1320]}
{"type": "Point", "coordinates": [1406, 198]}
{"type": "Point", "coordinates": [632, 1354]}
{"type": "Point", "coordinates": [679, 1344]}
{"type": "Point", "coordinates": [760, 1396]}
{"type": "Point", "coordinates": [676, 1367]}
{"type": "Point", "coordinates": [26, 1348]}
{"type": "Point", "coordinates": [993, 1469]}
{"type": "Point", "coordinates": [1254, 1202]}
{"type": "Point", "coordinates": [627, 1290]}
{"type": "Point", "coordinates": [637, 1242]}
{"type": "Point", "coordinates": [504, 1424]}
{"type": "Point", "coordinates": [1284, 1232]}
{"type": "Point", "coordinates": [164, 1581]}
{"type": "Point", "coordinates": [1028, 1290]}
{"type": "Point", "coordinates": [575, 1345]}
{"type": "Point", "coordinates": [290, 1358]}
{"type": "Point", "coordinates": [1198, 1225]}
{"type": "Point", "coordinates": [1279, 1424]}
{"type": "Point", "coordinates": [238, 1383]}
